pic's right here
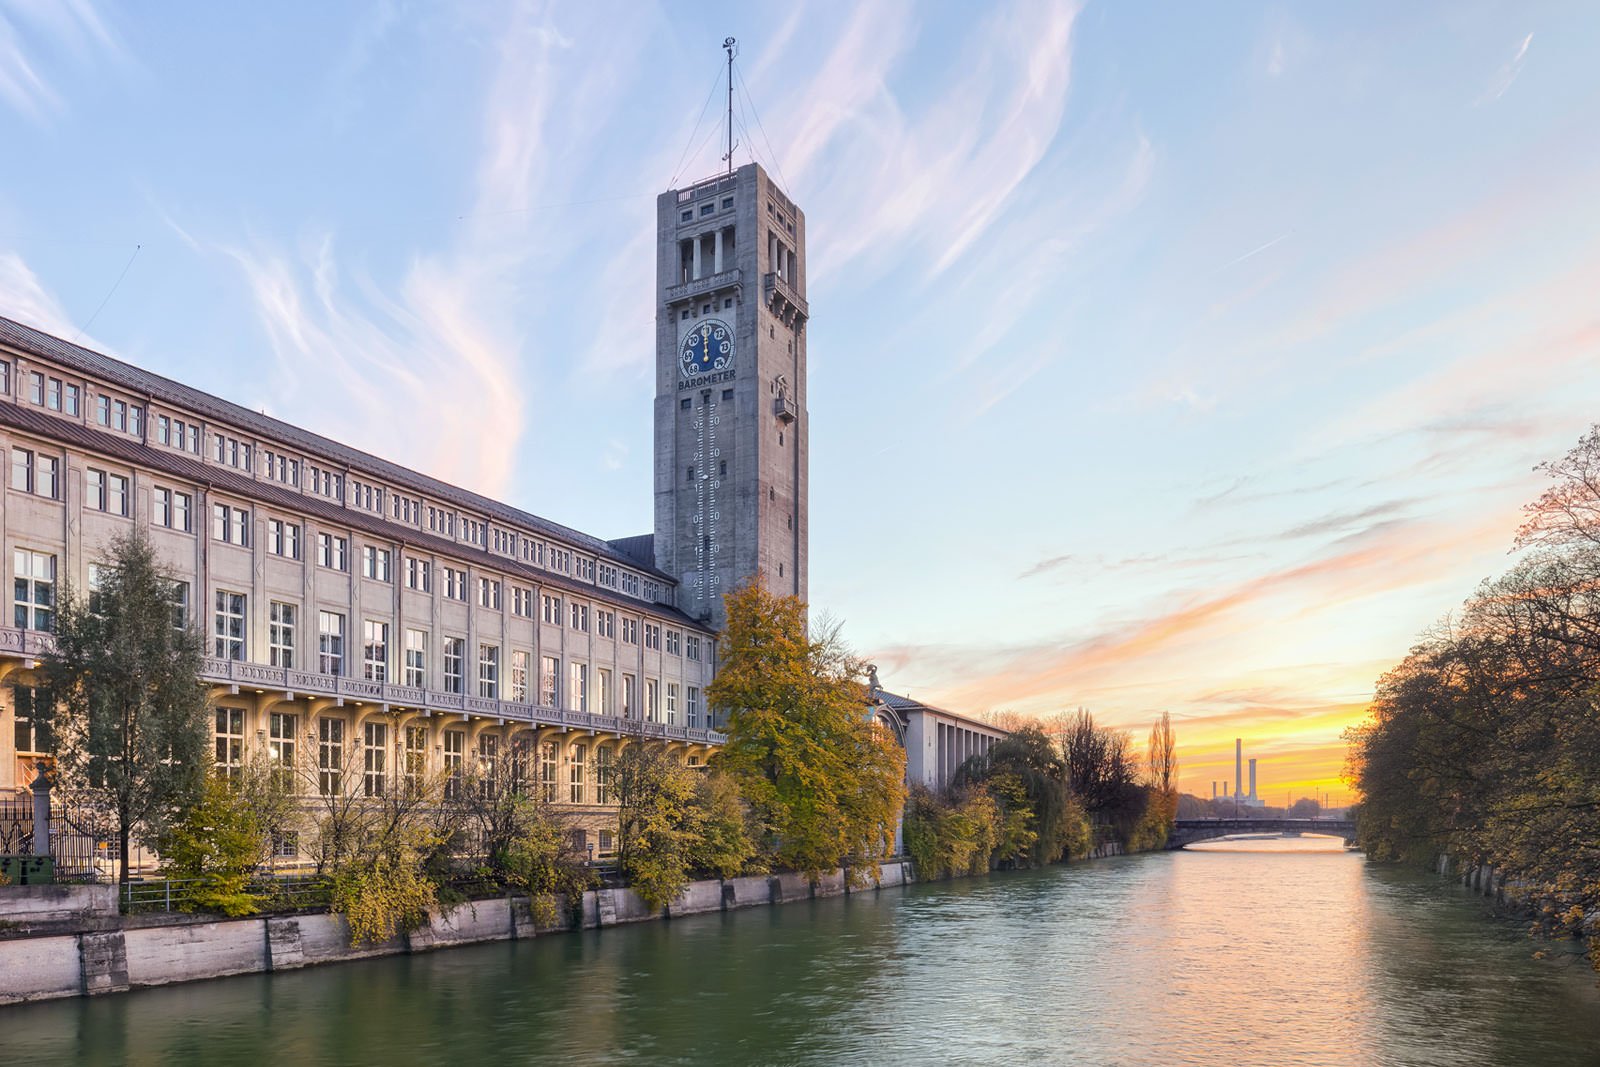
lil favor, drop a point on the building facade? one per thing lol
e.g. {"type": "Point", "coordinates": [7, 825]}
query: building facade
{"type": "Point", "coordinates": [936, 741]}
{"type": "Point", "coordinates": [364, 623]}
{"type": "Point", "coordinates": [731, 421]}
{"type": "Point", "coordinates": [367, 624]}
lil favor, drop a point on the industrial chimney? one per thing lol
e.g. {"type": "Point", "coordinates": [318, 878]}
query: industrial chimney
{"type": "Point", "coordinates": [1238, 766]}
{"type": "Point", "coordinates": [1252, 781]}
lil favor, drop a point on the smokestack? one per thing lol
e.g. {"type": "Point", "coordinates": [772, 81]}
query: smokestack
{"type": "Point", "coordinates": [1213, 789]}
{"type": "Point", "coordinates": [1252, 779]}
{"type": "Point", "coordinates": [1238, 766]}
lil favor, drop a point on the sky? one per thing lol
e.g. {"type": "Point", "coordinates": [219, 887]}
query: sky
{"type": "Point", "coordinates": [1186, 358]}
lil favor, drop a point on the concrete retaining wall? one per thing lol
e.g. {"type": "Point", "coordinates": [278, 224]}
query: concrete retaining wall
{"type": "Point", "coordinates": [42, 909]}
{"type": "Point", "coordinates": [111, 954]}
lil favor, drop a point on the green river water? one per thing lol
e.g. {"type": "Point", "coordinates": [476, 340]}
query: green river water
{"type": "Point", "coordinates": [1284, 956]}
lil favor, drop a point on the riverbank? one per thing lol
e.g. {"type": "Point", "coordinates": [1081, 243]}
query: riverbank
{"type": "Point", "coordinates": [70, 940]}
{"type": "Point", "coordinates": [66, 940]}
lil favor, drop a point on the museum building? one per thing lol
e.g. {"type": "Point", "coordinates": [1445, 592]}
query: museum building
{"type": "Point", "coordinates": [367, 624]}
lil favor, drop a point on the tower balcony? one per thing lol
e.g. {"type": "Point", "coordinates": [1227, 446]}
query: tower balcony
{"type": "Point", "coordinates": [783, 407]}
{"type": "Point", "coordinates": [697, 287]}
{"type": "Point", "coordinates": [785, 303]}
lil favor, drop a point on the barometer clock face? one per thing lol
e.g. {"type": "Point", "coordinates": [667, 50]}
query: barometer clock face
{"type": "Point", "coordinates": [707, 347]}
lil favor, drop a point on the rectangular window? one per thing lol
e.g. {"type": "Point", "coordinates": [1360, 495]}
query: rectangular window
{"type": "Point", "coordinates": [580, 759]}
{"type": "Point", "coordinates": [230, 525]}
{"type": "Point", "coordinates": [455, 583]}
{"type": "Point", "coordinates": [95, 489]}
{"type": "Point", "coordinates": [522, 602]}
{"type": "Point", "coordinates": [605, 623]}
{"type": "Point", "coordinates": [179, 593]}
{"type": "Point", "coordinates": [416, 768]}
{"type": "Point", "coordinates": [577, 687]}
{"type": "Point", "coordinates": [602, 692]}
{"type": "Point", "coordinates": [548, 668]}
{"type": "Point", "coordinates": [283, 538]}
{"type": "Point", "coordinates": [416, 658]}
{"type": "Point", "coordinates": [102, 410]}
{"type": "Point", "coordinates": [36, 387]}
{"type": "Point", "coordinates": [602, 786]}
{"type": "Point", "coordinates": [549, 754]}
{"type": "Point", "coordinates": [69, 399]}
{"type": "Point", "coordinates": [455, 654]}
{"type": "Point", "coordinates": [694, 706]}
{"type": "Point", "coordinates": [374, 757]}
{"type": "Point", "coordinates": [330, 756]}
{"type": "Point", "coordinates": [280, 634]}
{"type": "Point", "coordinates": [519, 676]}
{"type": "Point", "coordinates": [652, 709]}
{"type": "Point", "coordinates": [550, 609]}
{"type": "Point", "coordinates": [418, 575]}
{"type": "Point", "coordinates": [652, 636]}
{"type": "Point", "coordinates": [489, 671]}
{"type": "Point", "coordinates": [674, 643]}
{"type": "Point", "coordinates": [692, 648]}
{"type": "Point", "coordinates": [489, 593]}
{"type": "Point", "coordinates": [455, 748]}
{"type": "Point", "coordinates": [230, 742]}
{"type": "Point", "coordinates": [629, 697]}
{"type": "Point", "coordinates": [488, 765]}
{"type": "Point", "coordinates": [35, 473]}
{"type": "Point", "coordinates": [333, 551]}
{"type": "Point", "coordinates": [375, 563]}
{"type": "Point", "coordinates": [672, 703]}
{"type": "Point", "coordinates": [375, 651]}
{"type": "Point", "coordinates": [171, 509]}
{"type": "Point", "coordinates": [228, 630]}
{"type": "Point", "coordinates": [580, 618]}
{"type": "Point", "coordinates": [330, 642]}
{"type": "Point", "coordinates": [282, 730]}
{"type": "Point", "coordinates": [630, 631]}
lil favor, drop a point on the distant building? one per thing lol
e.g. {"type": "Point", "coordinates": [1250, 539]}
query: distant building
{"type": "Point", "coordinates": [936, 741]}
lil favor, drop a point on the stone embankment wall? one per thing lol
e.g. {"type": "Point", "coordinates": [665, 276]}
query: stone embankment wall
{"type": "Point", "coordinates": [64, 941]}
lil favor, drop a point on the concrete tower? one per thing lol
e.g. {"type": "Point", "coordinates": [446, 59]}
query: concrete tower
{"type": "Point", "coordinates": [731, 423]}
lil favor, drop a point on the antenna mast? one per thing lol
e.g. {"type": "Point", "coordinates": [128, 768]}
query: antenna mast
{"type": "Point", "coordinates": [732, 47]}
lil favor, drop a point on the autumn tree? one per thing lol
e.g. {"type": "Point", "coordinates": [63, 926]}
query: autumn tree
{"type": "Point", "coordinates": [1041, 819]}
{"type": "Point", "coordinates": [825, 783]}
{"type": "Point", "coordinates": [131, 712]}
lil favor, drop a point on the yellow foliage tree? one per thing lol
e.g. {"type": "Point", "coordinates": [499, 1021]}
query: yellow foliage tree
{"type": "Point", "coordinates": [825, 783]}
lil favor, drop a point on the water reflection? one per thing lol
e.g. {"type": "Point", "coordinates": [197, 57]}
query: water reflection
{"type": "Point", "coordinates": [1305, 956]}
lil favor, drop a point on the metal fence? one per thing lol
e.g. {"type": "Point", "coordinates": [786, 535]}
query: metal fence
{"type": "Point", "coordinates": [276, 894]}
{"type": "Point", "coordinates": [79, 854]}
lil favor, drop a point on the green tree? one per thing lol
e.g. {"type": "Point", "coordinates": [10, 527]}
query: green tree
{"type": "Point", "coordinates": [657, 822]}
{"type": "Point", "coordinates": [825, 783]}
{"type": "Point", "coordinates": [218, 843]}
{"type": "Point", "coordinates": [722, 844]}
{"type": "Point", "coordinates": [131, 712]}
{"type": "Point", "coordinates": [1042, 820]}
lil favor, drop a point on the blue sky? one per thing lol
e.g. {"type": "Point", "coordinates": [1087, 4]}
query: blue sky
{"type": "Point", "coordinates": [1177, 357]}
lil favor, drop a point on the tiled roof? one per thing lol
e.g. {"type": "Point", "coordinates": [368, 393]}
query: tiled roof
{"type": "Point", "coordinates": [144, 383]}
{"type": "Point", "coordinates": [640, 547]}
{"type": "Point", "coordinates": [188, 469]}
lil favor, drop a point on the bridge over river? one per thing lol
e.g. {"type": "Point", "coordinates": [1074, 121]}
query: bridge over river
{"type": "Point", "coordinates": [1190, 831]}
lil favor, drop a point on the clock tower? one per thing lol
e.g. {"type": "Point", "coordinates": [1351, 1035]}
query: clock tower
{"type": "Point", "coordinates": [731, 424]}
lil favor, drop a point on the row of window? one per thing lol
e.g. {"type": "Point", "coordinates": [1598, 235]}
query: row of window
{"type": "Point", "coordinates": [367, 758]}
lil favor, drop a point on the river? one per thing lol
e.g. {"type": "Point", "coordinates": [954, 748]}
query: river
{"type": "Point", "coordinates": [1271, 953]}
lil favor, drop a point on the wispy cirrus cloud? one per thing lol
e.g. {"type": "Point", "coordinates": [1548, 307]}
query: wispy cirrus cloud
{"type": "Point", "coordinates": [34, 36]}
{"type": "Point", "coordinates": [1508, 73]}
{"type": "Point", "coordinates": [449, 326]}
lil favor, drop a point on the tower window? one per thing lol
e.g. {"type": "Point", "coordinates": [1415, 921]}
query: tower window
{"type": "Point", "coordinates": [686, 216]}
{"type": "Point", "coordinates": [780, 438]}
{"type": "Point", "coordinates": [780, 570]}
{"type": "Point", "coordinates": [727, 202]}
{"type": "Point", "coordinates": [772, 494]}
{"type": "Point", "coordinates": [706, 310]}
{"type": "Point", "coordinates": [727, 394]}
{"type": "Point", "coordinates": [722, 468]}
{"type": "Point", "coordinates": [791, 522]}
{"type": "Point", "coordinates": [684, 403]}
{"type": "Point", "coordinates": [689, 474]}
{"type": "Point", "coordinates": [727, 303]}
{"type": "Point", "coordinates": [684, 313]}
{"type": "Point", "coordinates": [706, 209]}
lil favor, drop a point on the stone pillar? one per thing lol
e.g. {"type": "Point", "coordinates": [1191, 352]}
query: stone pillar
{"type": "Point", "coordinates": [41, 815]}
{"type": "Point", "coordinates": [716, 253]}
{"type": "Point", "coordinates": [696, 271]}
